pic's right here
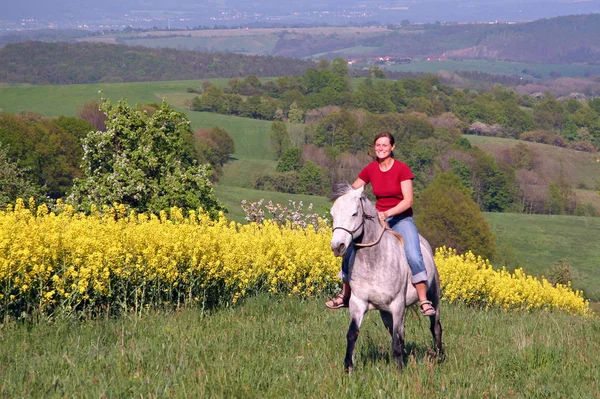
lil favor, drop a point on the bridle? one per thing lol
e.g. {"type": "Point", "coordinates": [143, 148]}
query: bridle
{"type": "Point", "coordinates": [384, 227]}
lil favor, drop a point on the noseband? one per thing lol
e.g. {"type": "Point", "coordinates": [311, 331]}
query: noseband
{"type": "Point", "coordinates": [362, 223]}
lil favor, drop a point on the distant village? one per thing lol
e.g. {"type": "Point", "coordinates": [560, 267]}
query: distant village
{"type": "Point", "coordinates": [387, 60]}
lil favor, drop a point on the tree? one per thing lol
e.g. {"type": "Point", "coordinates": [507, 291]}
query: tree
{"type": "Point", "coordinates": [220, 143]}
{"type": "Point", "coordinates": [280, 138]}
{"type": "Point", "coordinates": [446, 215]}
{"type": "Point", "coordinates": [50, 153]}
{"type": "Point", "coordinates": [339, 66]}
{"type": "Point", "coordinates": [295, 114]}
{"type": "Point", "coordinates": [313, 179]}
{"type": "Point", "coordinates": [290, 160]}
{"type": "Point", "coordinates": [141, 161]}
{"type": "Point", "coordinates": [376, 73]}
{"type": "Point", "coordinates": [13, 181]}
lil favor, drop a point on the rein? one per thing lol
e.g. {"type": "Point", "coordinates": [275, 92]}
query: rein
{"type": "Point", "coordinates": [384, 228]}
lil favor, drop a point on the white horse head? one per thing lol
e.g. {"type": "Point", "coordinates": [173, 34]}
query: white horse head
{"type": "Point", "coordinates": [348, 222]}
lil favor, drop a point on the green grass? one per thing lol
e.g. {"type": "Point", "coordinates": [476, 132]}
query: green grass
{"type": "Point", "coordinates": [274, 347]}
{"type": "Point", "coordinates": [68, 99]}
{"type": "Point", "coordinates": [538, 242]}
{"type": "Point", "coordinates": [243, 173]}
{"type": "Point", "coordinates": [497, 67]}
{"type": "Point", "coordinates": [251, 136]}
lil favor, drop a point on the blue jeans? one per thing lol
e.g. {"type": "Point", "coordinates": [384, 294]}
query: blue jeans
{"type": "Point", "coordinates": [405, 226]}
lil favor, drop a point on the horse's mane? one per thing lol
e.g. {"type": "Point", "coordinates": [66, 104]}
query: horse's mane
{"type": "Point", "coordinates": [340, 189]}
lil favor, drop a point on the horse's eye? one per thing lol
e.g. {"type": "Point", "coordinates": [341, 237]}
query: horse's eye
{"type": "Point", "coordinates": [355, 214]}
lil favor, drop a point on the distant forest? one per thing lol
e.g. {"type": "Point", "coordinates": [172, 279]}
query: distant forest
{"type": "Point", "coordinates": [41, 63]}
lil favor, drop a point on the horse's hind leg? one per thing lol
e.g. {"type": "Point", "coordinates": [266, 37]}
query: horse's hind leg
{"type": "Point", "coordinates": [388, 322]}
{"type": "Point", "coordinates": [436, 332]}
{"type": "Point", "coordinates": [398, 336]}
{"type": "Point", "coordinates": [357, 312]}
{"type": "Point", "coordinates": [435, 325]}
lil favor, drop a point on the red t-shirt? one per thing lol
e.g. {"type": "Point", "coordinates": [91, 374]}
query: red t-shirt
{"type": "Point", "coordinates": [386, 185]}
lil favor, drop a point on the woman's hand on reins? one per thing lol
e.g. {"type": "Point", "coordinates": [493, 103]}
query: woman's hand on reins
{"type": "Point", "coordinates": [382, 216]}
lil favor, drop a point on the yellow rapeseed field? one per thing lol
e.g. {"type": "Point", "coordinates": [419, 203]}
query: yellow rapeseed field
{"type": "Point", "coordinates": [112, 260]}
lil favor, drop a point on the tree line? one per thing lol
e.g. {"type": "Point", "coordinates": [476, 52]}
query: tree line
{"type": "Point", "coordinates": [41, 63]}
{"type": "Point", "coordinates": [501, 112]}
{"type": "Point", "coordinates": [427, 117]}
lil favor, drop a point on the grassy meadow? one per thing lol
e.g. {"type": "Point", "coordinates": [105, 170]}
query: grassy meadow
{"type": "Point", "coordinates": [276, 346]}
{"type": "Point", "coordinates": [538, 242]}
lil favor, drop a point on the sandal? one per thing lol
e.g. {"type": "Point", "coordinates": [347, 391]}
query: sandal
{"type": "Point", "coordinates": [338, 302]}
{"type": "Point", "coordinates": [429, 310]}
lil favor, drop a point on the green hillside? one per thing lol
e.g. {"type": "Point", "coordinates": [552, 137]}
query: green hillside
{"type": "Point", "coordinates": [537, 241]}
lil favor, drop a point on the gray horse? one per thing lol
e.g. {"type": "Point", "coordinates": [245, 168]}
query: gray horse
{"type": "Point", "coordinates": [380, 276]}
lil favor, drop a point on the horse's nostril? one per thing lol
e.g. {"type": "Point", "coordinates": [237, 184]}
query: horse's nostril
{"type": "Point", "coordinates": [342, 248]}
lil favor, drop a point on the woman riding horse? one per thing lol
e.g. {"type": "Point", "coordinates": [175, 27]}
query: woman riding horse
{"type": "Point", "coordinates": [392, 185]}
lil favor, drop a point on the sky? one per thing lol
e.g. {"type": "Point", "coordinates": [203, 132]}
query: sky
{"type": "Point", "coordinates": [240, 12]}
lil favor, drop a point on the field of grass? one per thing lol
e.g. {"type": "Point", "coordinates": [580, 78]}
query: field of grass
{"type": "Point", "coordinates": [497, 67]}
{"type": "Point", "coordinates": [54, 100]}
{"type": "Point", "coordinates": [273, 347]}
{"type": "Point", "coordinates": [538, 242]}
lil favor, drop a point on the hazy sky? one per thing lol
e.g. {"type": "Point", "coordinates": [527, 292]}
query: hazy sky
{"type": "Point", "coordinates": [385, 11]}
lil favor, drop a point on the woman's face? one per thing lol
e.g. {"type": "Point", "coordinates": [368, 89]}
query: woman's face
{"type": "Point", "coordinates": [383, 148]}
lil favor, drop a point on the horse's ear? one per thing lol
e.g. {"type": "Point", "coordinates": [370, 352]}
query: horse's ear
{"type": "Point", "coordinates": [359, 190]}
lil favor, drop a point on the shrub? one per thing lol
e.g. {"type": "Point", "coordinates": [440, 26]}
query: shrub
{"type": "Point", "coordinates": [544, 137]}
{"type": "Point", "coordinates": [584, 146]}
{"type": "Point", "coordinates": [561, 273]}
{"type": "Point", "coordinates": [447, 216]}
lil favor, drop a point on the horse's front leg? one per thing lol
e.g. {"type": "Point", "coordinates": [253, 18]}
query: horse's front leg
{"type": "Point", "coordinates": [398, 335]}
{"type": "Point", "coordinates": [358, 309]}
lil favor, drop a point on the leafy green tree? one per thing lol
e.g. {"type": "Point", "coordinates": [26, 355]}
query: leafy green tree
{"type": "Point", "coordinates": [141, 161]}
{"type": "Point", "coordinates": [338, 129]}
{"type": "Point", "coordinates": [313, 179]}
{"type": "Point", "coordinates": [339, 66]}
{"type": "Point", "coordinates": [492, 188]}
{"type": "Point", "coordinates": [290, 160]}
{"type": "Point", "coordinates": [561, 198]}
{"type": "Point", "coordinates": [446, 215]}
{"type": "Point", "coordinates": [14, 182]}
{"type": "Point", "coordinates": [420, 104]}
{"type": "Point", "coordinates": [50, 154]}
{"type": "Point", "coordinates": [295, 114]}
{"type": "Point", "coordinates": [371, 99]}
{"type": "Point", "coordinates": [549, 114]}
{"type": "Point", "coordinates": [376, 73]}
{"type": "Point", "coordinates": [220, 143]}
{"type": "Point", "coordinates": [280, 138]}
